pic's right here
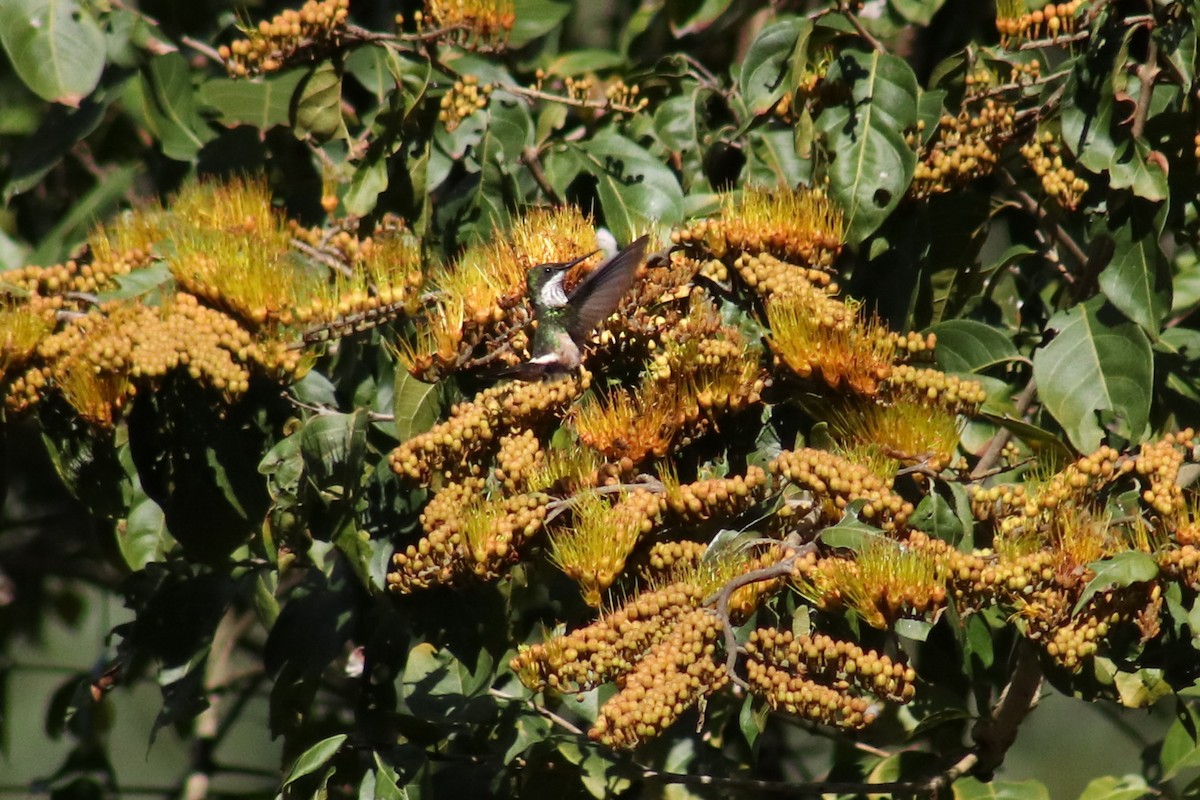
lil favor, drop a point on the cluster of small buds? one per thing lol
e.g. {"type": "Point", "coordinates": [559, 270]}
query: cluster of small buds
{"type": "Point", "coordinates": [807, 82]}
{"type": "Point", "coordinates": [914, 343]}
{"type": "Point", "coordinates": [518, 456]}
{"type": "Point", "coordinates": [1079, 638]}
{"type": "Point", "coordinates": [1159, 462]}
{"type": "Point", "coordinates": [611, 646]}
{"type": "Point", "coordinates": [466, 535]}
{"type": "Point", "coordinates": [1181, 564]}
{"type": "Point", "coordinates": [670, 679]}
{"type": "Point", "coordinates": [1015, 23]}
{"type": "Point", "coordinates": [766, 275]}
{"type": "Point", "coordinates": [714, 497]}
{"type": "Point", "coordinates": [1196, 141]}
{"type": "Point", "coordinates": [132, 345]}
{"type": "Point", "coordinates": [463, 99]}
{"type": "Point", "coordinates": [495, 537]}
{"type": "Point", "coordinates": [955, 394]}
{"type": "Point", "coordinates": [472, 426]}
{"type": "Point", "coordinates": [819, 678]}
{"type": "Point", "coordinates": [310, 32]}
{"type": "Point", "coordinates": [802, 227]}
{"type": "Point", "coordinates": [667, 558]}
{"type": "Point", "coordinates": [837, 482]}
{"type": "Point", "coordinates": [621, 95]}
{"type": "Point", "coordinates": [80, 277]}
{"type": "Point", "coordinates": [480, 25]}
{"type": "Point", "coordinates": [965, 147]}
{"type": "Point", "coordinates": [1059, 181]}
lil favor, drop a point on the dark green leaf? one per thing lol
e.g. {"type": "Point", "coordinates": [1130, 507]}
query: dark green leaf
{"type": "Point", "coordinates": [318, 104]}
{"type": "Point", "coordinates": [964, 345]}
{"type": "Point", "coordinates": [55, 46]}
{"type": "Point", "coordinates": [263, 103]}
{"type": "Point", "coordinates": [167, 101]}
{"type": "Point", "coordinates": [1098, 362]}
{"type": "Point", "coordinates": [536, 18]}
{"type": "Point", "coordinates": [872, 164]}
{"type": "Point", "coordinates": [765, 68]}
{"type": "Point", "coordinates": [1137, 280]}
{"type": "Point", "coordinates": [1123, 569]}
{"type": "Point", "coordinates": [637, 191]}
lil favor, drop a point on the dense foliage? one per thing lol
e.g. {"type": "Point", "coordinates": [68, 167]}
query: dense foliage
{"type": "Point", "coordinates": [890, 435]}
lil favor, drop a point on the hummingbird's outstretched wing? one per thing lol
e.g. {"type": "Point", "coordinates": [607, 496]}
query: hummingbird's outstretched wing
{"type": "Point", "coordinates": [598, 295]}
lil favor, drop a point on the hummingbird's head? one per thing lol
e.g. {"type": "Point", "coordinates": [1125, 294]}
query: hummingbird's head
{"type": "Point", "coordinates": [545, 282]}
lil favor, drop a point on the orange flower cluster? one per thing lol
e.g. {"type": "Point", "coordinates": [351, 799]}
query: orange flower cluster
{"type": "Point", "coordinates": [221, 293]}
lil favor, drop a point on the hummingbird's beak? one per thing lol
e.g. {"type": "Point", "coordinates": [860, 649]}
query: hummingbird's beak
{"type": "Point", "coordinates": [579, 260]}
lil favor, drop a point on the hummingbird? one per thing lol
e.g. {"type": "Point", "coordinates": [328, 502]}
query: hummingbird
{"type": "Point", "coordinates": [564, 321]}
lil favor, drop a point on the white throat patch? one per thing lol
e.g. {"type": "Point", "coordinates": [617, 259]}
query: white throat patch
{"type": "Point", "coordinates": [553, 295]}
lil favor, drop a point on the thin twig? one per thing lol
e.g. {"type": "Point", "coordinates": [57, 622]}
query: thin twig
{"type": "Point", "coordinates": [328, 259]}
{"type": "Point", "coordinates": [561, 722]}
{"type": "Point", "coordinates": [529, 157]}
{"type": "Point", "coordinates": [995, 447]}
{"type": "Point", "coordinates": [723, 596]}
{"type": "Point", "coordinates": [1147, 72]}
{"type": "Point", "coordinates": [853, 19]}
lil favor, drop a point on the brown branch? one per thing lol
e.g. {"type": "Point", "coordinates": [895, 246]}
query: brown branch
{"type": "Point", "coordinates": [529, 157]}
{"type": "Point", "coordinates": [996, 445]}
{"type": "Point", "coordinates": [1147, 72]}
{"type": "Point", "coordinates": [852, 18]}
{"type": "Point", "coordinates": [1033, 207]}
{"type": "Point", "coordinates": [722, 597]}
{"type": "Point", "coordinates": [995, 734]}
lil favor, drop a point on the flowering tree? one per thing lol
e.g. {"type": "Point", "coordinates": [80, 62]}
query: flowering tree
{"type": "Point", "coordinates": [889, 435]}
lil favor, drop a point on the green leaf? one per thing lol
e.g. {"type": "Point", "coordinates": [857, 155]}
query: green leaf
{"type": "Point", "coordinates": [167, 102]}
{"type": "Point", "coordinates": [849, 533]}
{"type": "Point", "coordinates": [872, 164]}
{"type": "Point", "coordinates": [315, 757]}
{"type": "Point", "coordinates": [1138, 279]}
{"type": "Point", "coordinates": [1110, 787]}
{"type": "Point", "coordinates": [143, 538]}
{"type": "Point", "coordinates": [578, 62]}
{"type": "Point", "coordinates": [536, 18]}
{"type": "Point", "coordinates": [1141, 689]}
{"type": "Point", "coordinates": [1180, 750]}
{"type": "Point", "coordinates": [55, 46]}
{"type": "Point", "coordinates": [1098, 362]}
{"type": "Point", "coordinates": [772, 159]}
{"type": "Point", "coordinates": [915, 629]}
{"type": "Point", "coordinates": [1038, 439]}
{"type": "Point", "coordinates": [59, 131]}
{"type": "Point", "coordinates": [937, 518]}
{"type": "Point", "coordinates": [974, 789]}
{"type": "Point", "coordinates": [1123, 569]}
{"type": "Point", "coordinates": [318, 104]}
{"type": "Point", "coordinates": [263, 103]}
{"type": "Point", "coordinates": [765, 68]}
{"type": "Point", "coordinates": [637, 191]}
{"type": "Point", "coordinates": [752, 719]}
{"type": "Point", "coordinates": [964, 345]}
{"type": "Point", "coordinates": [139, 282]}
{"type": "Point", "coordinates": [919, 12]}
